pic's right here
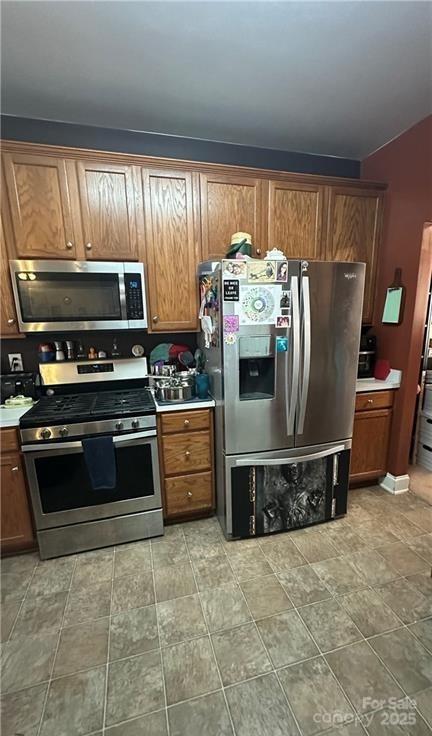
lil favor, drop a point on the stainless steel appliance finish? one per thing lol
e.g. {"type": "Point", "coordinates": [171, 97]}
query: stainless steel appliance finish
{"type": "Point", "coordinates": [54, 296]}
{"type": "Point", "coordinates": [180, 393]}
{"type": "Point", "coordinates": [280, 405]}
{"type": "Point", "coordinates": [70, 515]}
{"type": "Point", "coordinates": [85, 371]}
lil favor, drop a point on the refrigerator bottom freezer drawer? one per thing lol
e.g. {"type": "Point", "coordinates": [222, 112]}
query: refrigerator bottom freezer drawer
{"type": "Point", "coordinates": [279, 496]}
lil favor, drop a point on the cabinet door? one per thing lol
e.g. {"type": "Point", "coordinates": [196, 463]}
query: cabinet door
{"type": "Point", "coordinates": [16, 527]}
{"type": "Point", "coordinates": [295, 219]}
{"type": "Point", "coordinates": [39, 191]}
{"type": "Point", "coordinates": [370, 444]}
{"type": "Point", "coordinates": [108, 209]}
{"type": "Point", "coordinates": [353, 233]}
{"type": "Point", "coordinates": [8, 318]}
{"type": "Point", "coordinates": [229, 204]}
{"type": "Point", "coordinates": [172, 250]}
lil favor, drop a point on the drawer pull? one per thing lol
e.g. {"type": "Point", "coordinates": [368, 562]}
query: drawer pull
{"type": "Point", "coordinates": [15, 469]}
{"type": "Point", "coordinates": [186, 422]}
{"type": "Point", "coordinates": [187, 453]}
{"type": "Point", "coordinates": [370, 401]}
{"type": "Point", "coordinates": [88, 246]}
{"type": "Point", "coordinates": [189, 494]}
{"type": "Point", "coordinates": [69, 245]}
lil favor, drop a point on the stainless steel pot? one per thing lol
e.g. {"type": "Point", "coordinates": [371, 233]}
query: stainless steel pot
{"type": "Point", "coordinates": [168, 392]}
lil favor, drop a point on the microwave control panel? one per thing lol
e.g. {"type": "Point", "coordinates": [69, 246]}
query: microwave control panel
{"type": "Point", "coordinates": [134, 296]}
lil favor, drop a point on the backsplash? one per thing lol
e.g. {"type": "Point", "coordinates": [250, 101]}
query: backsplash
{"type": "Point", "coordinates": [99, 340]}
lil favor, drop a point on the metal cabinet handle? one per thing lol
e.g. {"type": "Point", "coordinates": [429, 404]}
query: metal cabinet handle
{"type": "Point", "coordinates": [186, 422]}
{"type": "Point", "coordinates": [11, 321]}
{"type": "Point", "coordinates": [370, 401]}
{"type": "Point", "coordinates": [155, 318]}
{"type": "Point", "coordinates": [258, 251]}
{"type": "Point", "coordinates": [88, 246]}
{"type": "Point", "coordinates": [15, 469]}
{"type": "Point", "coordinates": [187, 453]}
{"type": "Point", "coordinates": [69, 245]}
{"type": "Point", "coordinates": [189, 494]}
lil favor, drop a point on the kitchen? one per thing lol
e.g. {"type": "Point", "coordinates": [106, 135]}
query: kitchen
{"type": "Point", "coordinates": [210, 541]}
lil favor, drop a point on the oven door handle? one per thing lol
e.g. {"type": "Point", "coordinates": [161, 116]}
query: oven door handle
{"type": "Point", "coordinates": [76, 445]}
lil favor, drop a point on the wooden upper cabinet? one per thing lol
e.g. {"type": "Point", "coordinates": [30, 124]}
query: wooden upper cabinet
{"type": "Point", "coordinates": [108, 211]}
{"type": "Point", "coordinates": [353, 233]}
{"type": "Point", "coordinates": [39, 193]}
{"type": "Point", "coordinates": [8, 318]}
{"type": "Point", "coordinates": [229, 204]}
{"type": "Point", "coordinates": [295, 213]}
{"type": "Point", "coordinates": [172, 249]}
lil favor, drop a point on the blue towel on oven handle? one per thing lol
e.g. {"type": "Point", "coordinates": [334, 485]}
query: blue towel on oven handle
{"type": "Point", "coordinates": [100, 459]}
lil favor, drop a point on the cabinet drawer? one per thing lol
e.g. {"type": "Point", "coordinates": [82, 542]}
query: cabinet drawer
{"type": "Point", "coordinates": [184, 453]}
{"type": "Point", "coordinates": [188, 493]}
{"type": "Point", "coordinates": [9, 440]}
{"type": "Point", "coordinates": [185, 421]}
{"type": "Point", "coordinates": [374, 400]}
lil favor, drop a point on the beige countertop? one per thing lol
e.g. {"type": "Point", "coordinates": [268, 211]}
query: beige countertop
{"type": "Point", "coordinates": [392, 381]}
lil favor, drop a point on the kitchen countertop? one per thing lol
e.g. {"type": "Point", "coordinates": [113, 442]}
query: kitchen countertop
{"type": "Point", "coordinates": [11, 417]}
{"type": "Point", "coordinates": [392, 381]}
{"type": "Point", "coordinates": [185, 406]}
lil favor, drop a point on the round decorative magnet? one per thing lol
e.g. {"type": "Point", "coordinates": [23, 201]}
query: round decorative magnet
{"type": "Point", "coordinates": [230, 338]}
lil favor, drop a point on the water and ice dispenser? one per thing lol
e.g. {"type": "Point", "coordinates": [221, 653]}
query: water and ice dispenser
{"type": "Point", "coordinates": [256, 367]}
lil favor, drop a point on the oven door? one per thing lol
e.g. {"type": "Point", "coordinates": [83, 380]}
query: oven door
{"type": "Point", "coordinates": [60, 486]}
{"type": "Point", "coordinates": [289, 489]}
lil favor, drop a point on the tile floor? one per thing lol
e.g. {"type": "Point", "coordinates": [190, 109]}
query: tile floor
{"type": "Point", "coordinates": [190, 635]}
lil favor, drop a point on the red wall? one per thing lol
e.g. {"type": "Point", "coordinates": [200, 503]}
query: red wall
{"type": "Point", "coordinates": [406, 165]}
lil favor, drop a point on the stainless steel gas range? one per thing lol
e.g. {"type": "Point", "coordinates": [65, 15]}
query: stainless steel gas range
{"type": "Point", "coordinates": [101, 399]}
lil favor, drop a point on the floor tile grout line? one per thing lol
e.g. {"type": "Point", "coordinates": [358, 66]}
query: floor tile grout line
{"type": "Point", "coordinates": [56, 651]}
{"type": "Point", "coordinates": [105, 700]}
{"type": "Point", "coordinates": [268, 654]}
{"type": "Point", "coordinates": [211, 644]}
{"type": "Point", "coordinates": [159, 639]}
{"type": "Point", "coordinates": [21, 604]}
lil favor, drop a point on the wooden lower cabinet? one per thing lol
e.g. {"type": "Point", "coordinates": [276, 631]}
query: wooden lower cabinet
{"type": "Point", "coordinates": [186, 463]}
{"type": "Point", "coordinates": [16, 529]}
{"type": "Point", "coordinates": [371, 436]}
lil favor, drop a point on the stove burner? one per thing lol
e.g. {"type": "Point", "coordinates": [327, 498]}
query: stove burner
{"type": "Point", "coordinates": [89, 406]}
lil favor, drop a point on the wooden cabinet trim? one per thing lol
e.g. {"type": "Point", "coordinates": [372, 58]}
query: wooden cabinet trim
{"type": "Point", "coordinates": [186, 494]}
{"type": "Point", "coordinates": [185, 421]}
{"type": "Point", "coordinates": [185, 164]}
{"type": "Point", "coordinates": [256, 228]}
{"type": "Point", "coordinates": [371, 400]}
{"type": "Point", "coordinates": [156, 283]}
{"type": "Point", "coordinates": [292, 186]}
{"type": "Point", "coordinates": [9, 440]}
{"type": "Point", "coordinates": [16, 523]}
{"type": "Point", "coordinates": [63, 205]}
{"type": "Point", "coordinates": [97, 252]}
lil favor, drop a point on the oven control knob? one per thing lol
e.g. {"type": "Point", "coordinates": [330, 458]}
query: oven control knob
{"type": "Point", "coordinates": [119, 426]}
{"type": "Point", "coordinates": [64, 432]}
{"type": "Point", "coordinates": [135, 424]}
{"type": "Point", "coordinates": [45, 434]}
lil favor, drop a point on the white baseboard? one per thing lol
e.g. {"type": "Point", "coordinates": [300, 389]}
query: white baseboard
{"type": "Point", "coordinates": [395, 483]}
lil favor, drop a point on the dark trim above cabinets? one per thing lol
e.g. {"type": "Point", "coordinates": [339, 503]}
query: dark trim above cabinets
{"type": "Point", "coordinates": [51, 132]}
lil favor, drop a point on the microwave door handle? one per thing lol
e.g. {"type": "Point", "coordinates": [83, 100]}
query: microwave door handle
{"type": "Point", "coordinates": [122, 295]}
{"type": "Point", "coordinates": [306, 352]}
{"type": "Point", "coordinates": [292, 392]}
{"type": "Point", "coordinates": [290, 460]}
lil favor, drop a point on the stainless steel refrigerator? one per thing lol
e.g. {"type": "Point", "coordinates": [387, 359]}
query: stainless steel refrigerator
{"type": "Point", "coordinates": [281, 340]}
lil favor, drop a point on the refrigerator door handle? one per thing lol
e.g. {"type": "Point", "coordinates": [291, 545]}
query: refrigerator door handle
{"type": "Point", "coordinates": [290, 460]}
{"type": "Point", "coordinates": [292, 395]}
{"type": "Point", "coordinates": [306, 351]}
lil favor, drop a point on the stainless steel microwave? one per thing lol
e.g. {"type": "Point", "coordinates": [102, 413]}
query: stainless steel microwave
{"type": "Point", "coordinates": [54, 296]}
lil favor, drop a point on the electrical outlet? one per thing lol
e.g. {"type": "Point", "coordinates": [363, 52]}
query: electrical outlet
{"type": "Point", "coordinates": [15, 362]}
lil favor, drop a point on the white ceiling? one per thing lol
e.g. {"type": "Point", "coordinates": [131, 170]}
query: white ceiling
{"type": "Point", "coordinates": [339, 78]}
